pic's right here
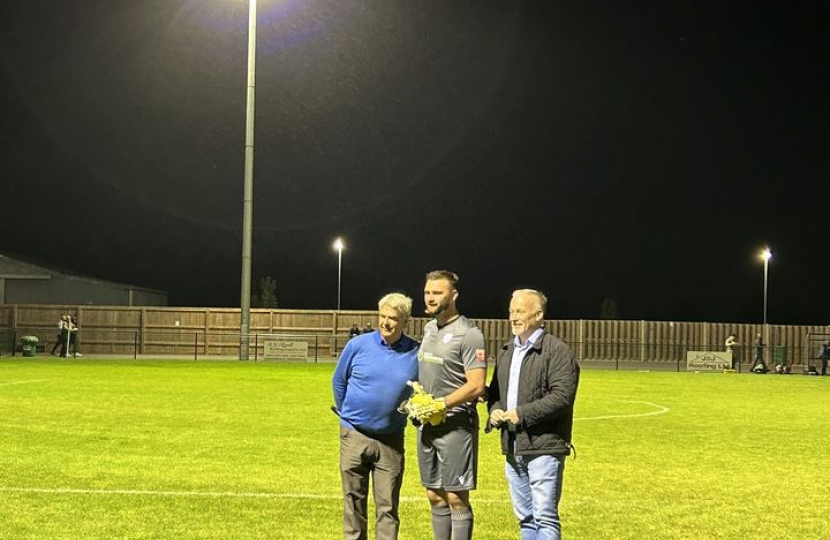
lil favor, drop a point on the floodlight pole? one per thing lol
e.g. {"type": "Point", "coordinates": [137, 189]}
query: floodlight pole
{"type": "Point", "coordinates": [339, 273]}
{"type": "Point", "coordinates": [339, 246]}
{"type": "Point", "coordinates": [766, 281]}
{"type": "Point", "coordinates": [248, 189]}
{"type": "Point", "coordinates": [766, 255]}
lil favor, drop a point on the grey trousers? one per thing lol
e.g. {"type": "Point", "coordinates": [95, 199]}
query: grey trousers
{"type": "Point", "coordinates": [382, 458]}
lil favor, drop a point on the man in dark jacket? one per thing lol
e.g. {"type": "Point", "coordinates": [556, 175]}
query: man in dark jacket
{"type": "Point", "coordinates": [531, 399]}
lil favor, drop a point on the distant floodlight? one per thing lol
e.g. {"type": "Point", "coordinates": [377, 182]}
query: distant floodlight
{"type": "Point", "coordinates": [766, 254]}
{"type": "Point", "coordinates": [338, 244]}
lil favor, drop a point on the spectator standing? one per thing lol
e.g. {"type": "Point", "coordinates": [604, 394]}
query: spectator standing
{"type": "Point", "coordinates": [61, 341]}
{"type": "Point", "coordinates": [758, 364]}
{"type": "Point", "coordinates": [731, 345]}
{"type": "Point", "coordinates": [824, 356]}
{"type": "Point", "coordinates": [73, 337]}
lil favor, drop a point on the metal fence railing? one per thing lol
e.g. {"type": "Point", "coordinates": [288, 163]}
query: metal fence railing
{"type": "Point", "coordinates": [160, 343]}
{"type": "Point", "coordinates": [197, 344]}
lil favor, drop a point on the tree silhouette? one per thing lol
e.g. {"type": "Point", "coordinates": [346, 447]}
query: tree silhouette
{"type": "Point", "coordinates": [267, 297]}
{"type": "Point", "coordinates": [609, 309]}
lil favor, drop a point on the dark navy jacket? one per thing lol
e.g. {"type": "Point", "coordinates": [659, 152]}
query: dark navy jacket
{"type": "Point", "coordinates": [547, 390]}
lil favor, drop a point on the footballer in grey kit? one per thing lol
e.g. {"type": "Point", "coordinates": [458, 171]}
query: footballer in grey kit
{"type": "Point", "coordinates": [446, 354]}
{"type": "Point", "coordinates": [452, 366]}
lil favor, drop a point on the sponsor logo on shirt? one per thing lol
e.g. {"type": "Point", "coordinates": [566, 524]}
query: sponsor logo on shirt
{"type": "Point", "coordinates": [481, 356]}
{"type": "Point", "coordinates": [429, 358]}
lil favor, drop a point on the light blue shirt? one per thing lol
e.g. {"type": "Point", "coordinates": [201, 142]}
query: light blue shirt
{"type": "Point", "coordinates": [519, 353]}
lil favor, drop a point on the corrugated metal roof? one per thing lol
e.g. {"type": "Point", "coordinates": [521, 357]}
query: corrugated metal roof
{"type": "Point", "coordinates": [17, 267]}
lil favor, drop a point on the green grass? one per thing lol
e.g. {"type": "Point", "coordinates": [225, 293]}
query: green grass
{"type": "Point", "coordinates": [95, 449]}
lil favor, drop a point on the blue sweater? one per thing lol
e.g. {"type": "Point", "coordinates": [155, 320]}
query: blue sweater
{"type": "Point", "coordinates": [369, 382]}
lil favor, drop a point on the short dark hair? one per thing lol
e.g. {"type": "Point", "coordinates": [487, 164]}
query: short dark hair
{"type": "Point", "coordinates": [452, 277]}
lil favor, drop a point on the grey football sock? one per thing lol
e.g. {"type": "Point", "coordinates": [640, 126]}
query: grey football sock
{"type": "Point", "coordinates": [462, 524]}
{"type": "Point", "coordinates": [441, 523]}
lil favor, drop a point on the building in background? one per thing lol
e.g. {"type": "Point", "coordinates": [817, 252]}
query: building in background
{"type": "Point", "coordinates": [26, 283]}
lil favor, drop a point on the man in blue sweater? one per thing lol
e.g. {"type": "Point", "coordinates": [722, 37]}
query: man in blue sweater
{"type": "Point", "coordinates": [369, 384]}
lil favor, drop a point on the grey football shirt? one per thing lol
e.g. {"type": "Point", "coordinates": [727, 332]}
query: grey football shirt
{"type": "Point", "coordinates": [446, 353]}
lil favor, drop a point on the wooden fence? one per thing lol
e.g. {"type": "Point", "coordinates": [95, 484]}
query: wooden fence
{"type": "Point", "coordinates": [120, 330]}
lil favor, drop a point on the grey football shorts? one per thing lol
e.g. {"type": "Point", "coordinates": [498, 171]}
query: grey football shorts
{"type": "Point", "coordinates": [448, 454]}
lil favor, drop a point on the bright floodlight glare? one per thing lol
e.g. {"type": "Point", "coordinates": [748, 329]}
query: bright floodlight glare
{"type": "Point", "coordinates": [339, 245]}
{"type": "Point", "coordinates": [766, 254]}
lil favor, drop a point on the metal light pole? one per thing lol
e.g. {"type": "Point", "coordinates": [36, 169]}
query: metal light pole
{"type": "Point", "coordinates": [339, 246]}
{"type": "Point", "coordinates": [248, 190]}
{"type": "Point", "coordinates": [766, 255]}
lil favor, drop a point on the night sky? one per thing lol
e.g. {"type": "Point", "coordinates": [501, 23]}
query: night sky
{"type": "Point", "coordinates": [639, 150]}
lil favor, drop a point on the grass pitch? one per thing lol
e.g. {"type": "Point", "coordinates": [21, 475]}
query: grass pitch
{"type": "Point", "coordinates": [96, 449]}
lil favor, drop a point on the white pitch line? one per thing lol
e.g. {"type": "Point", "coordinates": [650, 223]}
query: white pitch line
{"type": "Point", "coordinates": [24, 382]}
{"type": "Point", "coordinates": [152, 493]}
{"type": "Point", "coordinates": [661, 409]}
{"type": "Point", "coordinates": [205, 494]}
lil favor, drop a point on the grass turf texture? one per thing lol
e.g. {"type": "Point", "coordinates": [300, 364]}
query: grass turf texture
{"type": "Point", "coordinates": [95, 449]}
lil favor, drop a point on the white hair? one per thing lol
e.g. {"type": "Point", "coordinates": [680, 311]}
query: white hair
{"type": "Point", "coordinates": [401, 303]}
{"type": "Point", "coordinates": [540, 297]}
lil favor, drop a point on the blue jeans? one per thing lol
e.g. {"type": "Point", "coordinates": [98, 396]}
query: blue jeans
{"type": "Point", "coordinates": [535, 488]}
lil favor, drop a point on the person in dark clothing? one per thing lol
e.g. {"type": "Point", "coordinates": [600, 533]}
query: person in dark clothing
{"type": "Point", "coordinates": [758, 364]}
{"type": "Point", "coordinates": [531, 399]}
{"type": "Point", "coordinates": [60, 341]}
{"type": "Point", "coordinates": [824, 356]}
{"type": "Point", "coordinates": [731, 345]}
{"type": "Point", "coordinates": [73, 337]}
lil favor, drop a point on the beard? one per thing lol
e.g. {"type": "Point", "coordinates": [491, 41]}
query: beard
{"type": "Point", "coordinates": [438, 309]}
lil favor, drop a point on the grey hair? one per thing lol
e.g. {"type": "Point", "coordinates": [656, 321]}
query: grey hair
{"type": "Point", "coordinates": [539, 295]}
{"type": "Point", "coordinates": [401, 303]}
